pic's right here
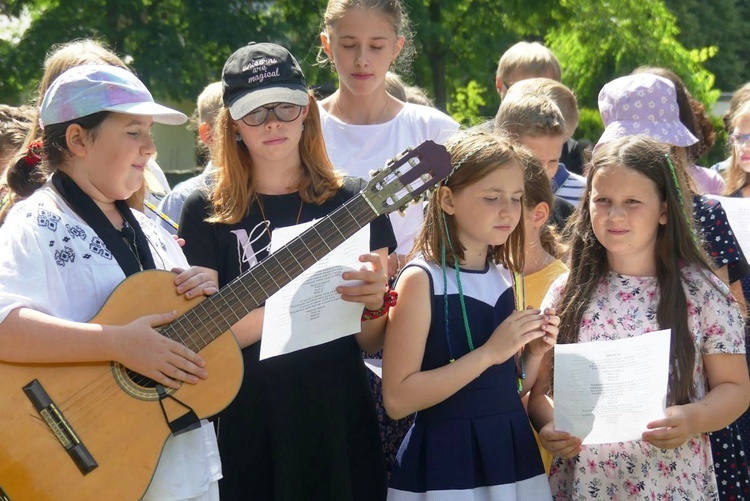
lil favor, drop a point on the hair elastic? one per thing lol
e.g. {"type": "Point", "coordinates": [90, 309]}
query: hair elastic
{"type": "Point", "coordinates": [34, 153]}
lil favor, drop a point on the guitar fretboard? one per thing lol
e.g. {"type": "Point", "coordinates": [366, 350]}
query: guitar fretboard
{"type": "Point", "coordinates": [217, 313]}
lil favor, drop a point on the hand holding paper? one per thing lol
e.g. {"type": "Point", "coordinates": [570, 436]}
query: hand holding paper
{"type": "Point", "coordinates": [609, 391]}
{"type": "Point", "coordinates": [670, 432]}
{"type": "Point", "coordinates": [309, 311]}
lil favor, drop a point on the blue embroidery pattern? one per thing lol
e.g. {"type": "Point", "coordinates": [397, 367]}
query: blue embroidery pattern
{"type": "Point", "coordinates": [76, 231]}
{"type": "Point", "coordinates": [97, 246]}
{"type": "Point", "coordinates": [45, 219]}
{"type": "Point", "coordinates": [64, 256]}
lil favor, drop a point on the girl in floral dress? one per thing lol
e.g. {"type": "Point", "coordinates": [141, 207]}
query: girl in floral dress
{"type": "Point", "coordinates": [636, 267]}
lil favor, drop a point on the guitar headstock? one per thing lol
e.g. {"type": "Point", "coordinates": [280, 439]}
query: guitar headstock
{"type": "Point", "coordinates": [405, 178]}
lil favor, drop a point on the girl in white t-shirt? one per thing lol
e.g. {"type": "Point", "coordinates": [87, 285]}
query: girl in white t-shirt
{"type": "Point", "coordinates": [68, 246]}
{"type": "Point", "coordinates": [364, 126]}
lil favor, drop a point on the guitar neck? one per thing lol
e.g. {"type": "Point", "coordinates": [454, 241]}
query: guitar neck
{"type": "Point", "coordinates": [217, 313]}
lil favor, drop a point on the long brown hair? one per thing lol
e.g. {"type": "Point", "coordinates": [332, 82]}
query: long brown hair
{"type": "Point", "coordinates": [235, 188]}
{"type": "Point", "coordinates": [480, 153]}
{"type": "Point", "coordinates": [675, 248]}
{"type": "Point", "coordinates": [735, 176]}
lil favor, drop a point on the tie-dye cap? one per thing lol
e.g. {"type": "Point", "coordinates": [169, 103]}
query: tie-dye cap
{"type": "Point", "coordinates": [88, 89]}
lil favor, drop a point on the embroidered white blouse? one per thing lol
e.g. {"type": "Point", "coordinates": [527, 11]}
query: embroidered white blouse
{"type": "Point", "coordinates": [52, 261]}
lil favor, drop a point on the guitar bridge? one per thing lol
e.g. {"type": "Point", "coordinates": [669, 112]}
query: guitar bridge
{"type": "Point", "coordinates": [57, 423]}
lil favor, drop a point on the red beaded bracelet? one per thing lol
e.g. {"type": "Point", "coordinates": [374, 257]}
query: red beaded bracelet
{"type": "Point", "coordinates": [389, 299]}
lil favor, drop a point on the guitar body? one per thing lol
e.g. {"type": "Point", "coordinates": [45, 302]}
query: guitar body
{"type": "Point", "coordinates": [118, 420]}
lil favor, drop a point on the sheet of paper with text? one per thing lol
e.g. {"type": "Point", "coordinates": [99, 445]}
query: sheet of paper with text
{"type": "Point", "coordinates": [308, 311]}
{"type": "Point", "coordinates": [607, 391]}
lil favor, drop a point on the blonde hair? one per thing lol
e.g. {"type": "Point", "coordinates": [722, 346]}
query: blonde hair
{"type": "Point", "coordinates": [481, 153]}
{"type": "Point", "coordinates": [209, 103]}
{"type": "Point", "coordinates": [394, 85]}
{"type": "Point", "coordinates": [529, 58]}
{"type": "Point", "coordinates": [562, 96]}
{"type": "Point", "coordinates": [735, 176]}
{"type": "Point", "coordinates": [235, 190]}
{"type": "Point", "coordinates": [530, 115]}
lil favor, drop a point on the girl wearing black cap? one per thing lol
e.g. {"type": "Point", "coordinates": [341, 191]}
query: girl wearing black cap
{"type": "Point", "coordinates": [303, 425]}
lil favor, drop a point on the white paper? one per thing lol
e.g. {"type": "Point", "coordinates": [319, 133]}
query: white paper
{"type": "Point", "coordinates": [738, 214]}
{"type": "Point", "coordinates": [607, 391]}
{"type": "Point", "coordinates": [375, 365]}
{"type": "Point", "coordinates": [308, 311]}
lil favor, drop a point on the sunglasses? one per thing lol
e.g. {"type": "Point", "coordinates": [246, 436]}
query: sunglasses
{"type": "Point", "coordinates": [284, 112]}
{"type": "Point", "coordinates": [739, 140]}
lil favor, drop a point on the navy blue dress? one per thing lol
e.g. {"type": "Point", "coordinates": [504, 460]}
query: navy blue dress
{"type": "Point", "coordinates": [727, 444]}
{"type": "Point", "coordinates": [478, 443]}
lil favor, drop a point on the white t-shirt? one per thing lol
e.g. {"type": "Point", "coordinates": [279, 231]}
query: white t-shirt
{"type": "Point", "coordinates": [358, 149]}
{"type": "Point", "coordinates": [53, 262]}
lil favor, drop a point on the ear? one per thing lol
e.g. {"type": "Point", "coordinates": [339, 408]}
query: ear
{"type": "Point", "coordinates": [499, 86]}
{"type": "Point", "coordinates": [205, 131]}
{"type": "Point", "coordinates": [77, 140]}
{"type": "Point", "coordinates": [398, 47]}
{"type": "Point", "coordinates": [663, 215]}
{"type": "Point", "coordinates": [539, 214]}
{"type": "Point", "coordinates": [325, 42]}
{"type": "Point", "coordinates": [305, 110]}
{"type": "Point", "coordinates": [445, 198]}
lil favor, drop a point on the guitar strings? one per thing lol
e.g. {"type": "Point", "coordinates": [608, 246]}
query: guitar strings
{"type": "Point", "coordinates": [317, 248]}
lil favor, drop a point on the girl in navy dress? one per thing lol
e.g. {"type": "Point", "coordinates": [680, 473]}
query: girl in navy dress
{"type": "Point", "coordinates": [452, 340]}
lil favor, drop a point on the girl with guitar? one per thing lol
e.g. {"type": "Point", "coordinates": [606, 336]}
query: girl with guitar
{"type": "Point", "coordinates": [303, 425]}
{"type": "Point", "coordinates": [69, 245]}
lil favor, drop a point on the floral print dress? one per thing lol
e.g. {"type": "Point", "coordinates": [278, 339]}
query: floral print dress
{"type": "Point", "coordinates": [625, 306]}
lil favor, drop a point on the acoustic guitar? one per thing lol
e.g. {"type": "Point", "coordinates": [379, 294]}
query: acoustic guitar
{"type": "Point", "coordinates": [95, 431]}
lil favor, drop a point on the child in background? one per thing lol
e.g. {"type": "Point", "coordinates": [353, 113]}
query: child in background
{"type": "Point", "coordinates": [208, 106]}
{"type": "Point", "coordinates": [636, 268]}
{"type": "Point", "coordinates": [738, 172]}
{"type": "Point", "coordinates": [15, 124]}
{"type": "Point", "coordinates": [303, 425]}
{"type": "Point", "coordinates": [535, 121]}
{"type": "Point", "coordinates": [543, 249]}
{"type": "Point", "coordinates": [68, 246]}
{"type": "Point", "coordinates": [565, 184]}
{"type": "Point", "coordinates": [739, 98]}
{"type": "Point", "coordinates": [451, 341]}
{"type": "Point", "coordinates": [693, 116]}
{"type": "Point", "coordinates": [525, 61]}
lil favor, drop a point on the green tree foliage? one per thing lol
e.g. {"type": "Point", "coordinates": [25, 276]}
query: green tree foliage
{"type": "Point", "coordinates": [177, 46]}
{"type": "Point", "coordinates": [720, 23]}
{"type": "Point", "coordinates": [599, 41]}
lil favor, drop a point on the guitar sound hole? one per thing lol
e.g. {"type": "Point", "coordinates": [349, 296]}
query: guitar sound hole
{"type": "Point", "coordinates": [139, 379]}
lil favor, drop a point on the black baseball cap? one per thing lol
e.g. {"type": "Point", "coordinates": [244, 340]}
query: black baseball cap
{"type": "Point", "coordinates": [260, 74]}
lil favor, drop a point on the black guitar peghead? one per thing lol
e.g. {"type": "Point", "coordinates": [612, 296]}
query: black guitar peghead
{"type": "Point", "coordinates": [186, 422]}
